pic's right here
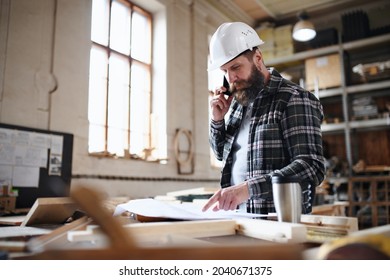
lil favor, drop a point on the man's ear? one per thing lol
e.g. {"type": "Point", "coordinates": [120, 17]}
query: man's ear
{"type": "Point", "coordinates": [258, 58]}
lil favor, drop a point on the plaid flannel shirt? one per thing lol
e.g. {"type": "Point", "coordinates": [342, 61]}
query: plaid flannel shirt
{"type": "Point", "coordinates": [284, 136]}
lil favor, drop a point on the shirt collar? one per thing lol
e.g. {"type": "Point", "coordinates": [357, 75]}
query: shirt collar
{"type": "Point", "coordinates": [274, 81]}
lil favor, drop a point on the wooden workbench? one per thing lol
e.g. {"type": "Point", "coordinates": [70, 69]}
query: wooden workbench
{"type": "Point", "coordinates": [99, 235]}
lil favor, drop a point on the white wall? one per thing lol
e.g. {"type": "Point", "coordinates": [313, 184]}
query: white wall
{"type": "Point", "coordinates": [44, 84]}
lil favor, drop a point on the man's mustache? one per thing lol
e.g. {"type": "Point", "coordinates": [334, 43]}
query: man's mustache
{"type": "Point", "coordinates": [238, 84]}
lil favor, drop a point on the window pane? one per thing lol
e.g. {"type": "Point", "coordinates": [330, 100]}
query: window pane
{"type": "Point", "coordinates": [140, 108]}
{"type": "Point", "coordinates": [120, 28]}
{"type": "Point", "coordinates": [97, 100]}
{"type": "Point", "coordinates": [117, 139]}
{"type": "Point", "coordinates": [118, 104]}
{"type": "Point", "coordinates": [141, 38]}
{"type": "Point", "coordinates": [96, 138]}
{"type": "Point", "coordinates": [100, 19]}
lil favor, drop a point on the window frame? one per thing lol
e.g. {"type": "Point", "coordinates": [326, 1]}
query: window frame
{"type": "Point", "coordinates": [109, 51]}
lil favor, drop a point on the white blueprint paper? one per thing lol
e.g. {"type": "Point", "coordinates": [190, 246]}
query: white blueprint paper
{"type": "Point", "coordinates": [149, 207]}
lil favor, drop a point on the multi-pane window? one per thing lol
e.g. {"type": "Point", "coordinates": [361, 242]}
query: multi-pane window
{"type": "Point", "coordinates": [119, 106]}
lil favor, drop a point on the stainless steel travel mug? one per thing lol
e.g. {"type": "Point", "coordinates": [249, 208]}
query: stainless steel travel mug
{"type": "Point", "coordinates": [287, 196]}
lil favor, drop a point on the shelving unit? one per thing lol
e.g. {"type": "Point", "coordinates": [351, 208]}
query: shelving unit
{"type": "Point", "coordinates": [348, 136]}
{"type": "Point", "coordinates": [370, 200]}
{"type": "Point", "coordinates": [345, 92]}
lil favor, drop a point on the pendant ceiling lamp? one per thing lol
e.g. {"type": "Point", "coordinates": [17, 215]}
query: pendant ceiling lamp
{"type": "Point", "coordinates": [304, 29]}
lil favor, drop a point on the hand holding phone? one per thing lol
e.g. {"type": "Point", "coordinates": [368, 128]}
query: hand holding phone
{"type": "Point", "coordinates": [226, 85]}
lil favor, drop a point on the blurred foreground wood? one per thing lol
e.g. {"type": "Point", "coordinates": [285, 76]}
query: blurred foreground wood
{"type": "Point", "coordinates": [123, 244]}
{"type": "Point", "coordinates": [263, 252]}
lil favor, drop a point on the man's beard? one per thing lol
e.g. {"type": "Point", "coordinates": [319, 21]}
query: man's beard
{"type": "Point", "coordinates": [249, 88]}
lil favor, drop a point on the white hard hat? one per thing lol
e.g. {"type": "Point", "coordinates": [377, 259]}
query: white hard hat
{"type": "Point", "coordinates": [230, 40]}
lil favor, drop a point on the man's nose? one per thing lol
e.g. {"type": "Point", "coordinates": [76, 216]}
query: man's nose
{"type": "Point", "coordinates": [231, 77]}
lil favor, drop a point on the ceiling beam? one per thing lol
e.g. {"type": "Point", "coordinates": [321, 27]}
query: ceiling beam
{"type": "Point", "coordinates": [232, 10]}
{"type": "Point", "coordinates": [265, 9]}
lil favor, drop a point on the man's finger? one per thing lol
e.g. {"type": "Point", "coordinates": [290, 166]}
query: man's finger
{"type": "Point", "coordinates": [212, 200]}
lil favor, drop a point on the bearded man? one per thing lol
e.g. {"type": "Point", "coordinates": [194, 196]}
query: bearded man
{"type": "Point", "coordinates": [267, 125]}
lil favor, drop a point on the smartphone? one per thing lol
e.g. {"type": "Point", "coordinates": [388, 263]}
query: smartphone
{"type": "Point", "coordinates": [226, 85]}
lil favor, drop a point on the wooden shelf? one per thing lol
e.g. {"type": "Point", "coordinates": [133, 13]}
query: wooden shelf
{"type": "Point", "coordinates": [368, 87]}
{"type": "Point", "coordinates": [331, 49]}
{"type": "Point", "coordinates": [304, 55]}
{"type": "Point", "coordinates": [324, 93]}
{"type": "Point", "coordinates": [366, 42]}
{"type": "Point", "coordinates": [370, 123]}
{"type": "Point", "coordinates": [337, 180]}
{"type": "Point", "coordinates": [330, 92]}
{"type": "Point", "coordinates": [333, 127]}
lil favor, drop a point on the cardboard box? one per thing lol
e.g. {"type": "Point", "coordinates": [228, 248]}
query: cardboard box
{"type": "Point", "coordinates": [7, 204]}
{"type": "Point", "coordinates": [284, 51]}
{"type": "Point", "coordinates": [283, 35]}
{"type": "Point", "coordinates": [268, 55]}
{"type": "Point", "coordinates": [267, 35]}
{"type": "Point", "coordinates": [325, 70]}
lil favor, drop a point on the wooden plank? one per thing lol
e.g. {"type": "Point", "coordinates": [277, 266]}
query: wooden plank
{"type": "Point", "coordinates": [57, 238]}
{"type": "Point", "coordinates": [50, 210]}
{"type": "Point", "coordinates": [15, 238]}
{"type": "Point", "coordinates": [188, 228]}
{"type": "Point", "coordinates": [350, 224]}
{"type": "Point", "coordinates": [321, 229]}
{"type": "Point", "coordinates": [273, 231]}
{"type": "Point", "coordinates": [146, 232]}
{"type": "Point", "coordinates": [12, 220]}
{"type": "Point", "coordinates": [334, 209]}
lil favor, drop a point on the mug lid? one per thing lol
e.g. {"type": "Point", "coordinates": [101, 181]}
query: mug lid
{"type": "Point", "coordinates": [279, 178]}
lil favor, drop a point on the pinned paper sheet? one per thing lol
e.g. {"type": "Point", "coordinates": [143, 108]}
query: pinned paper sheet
{"type": "Point", "coordinates": [187, 211]}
